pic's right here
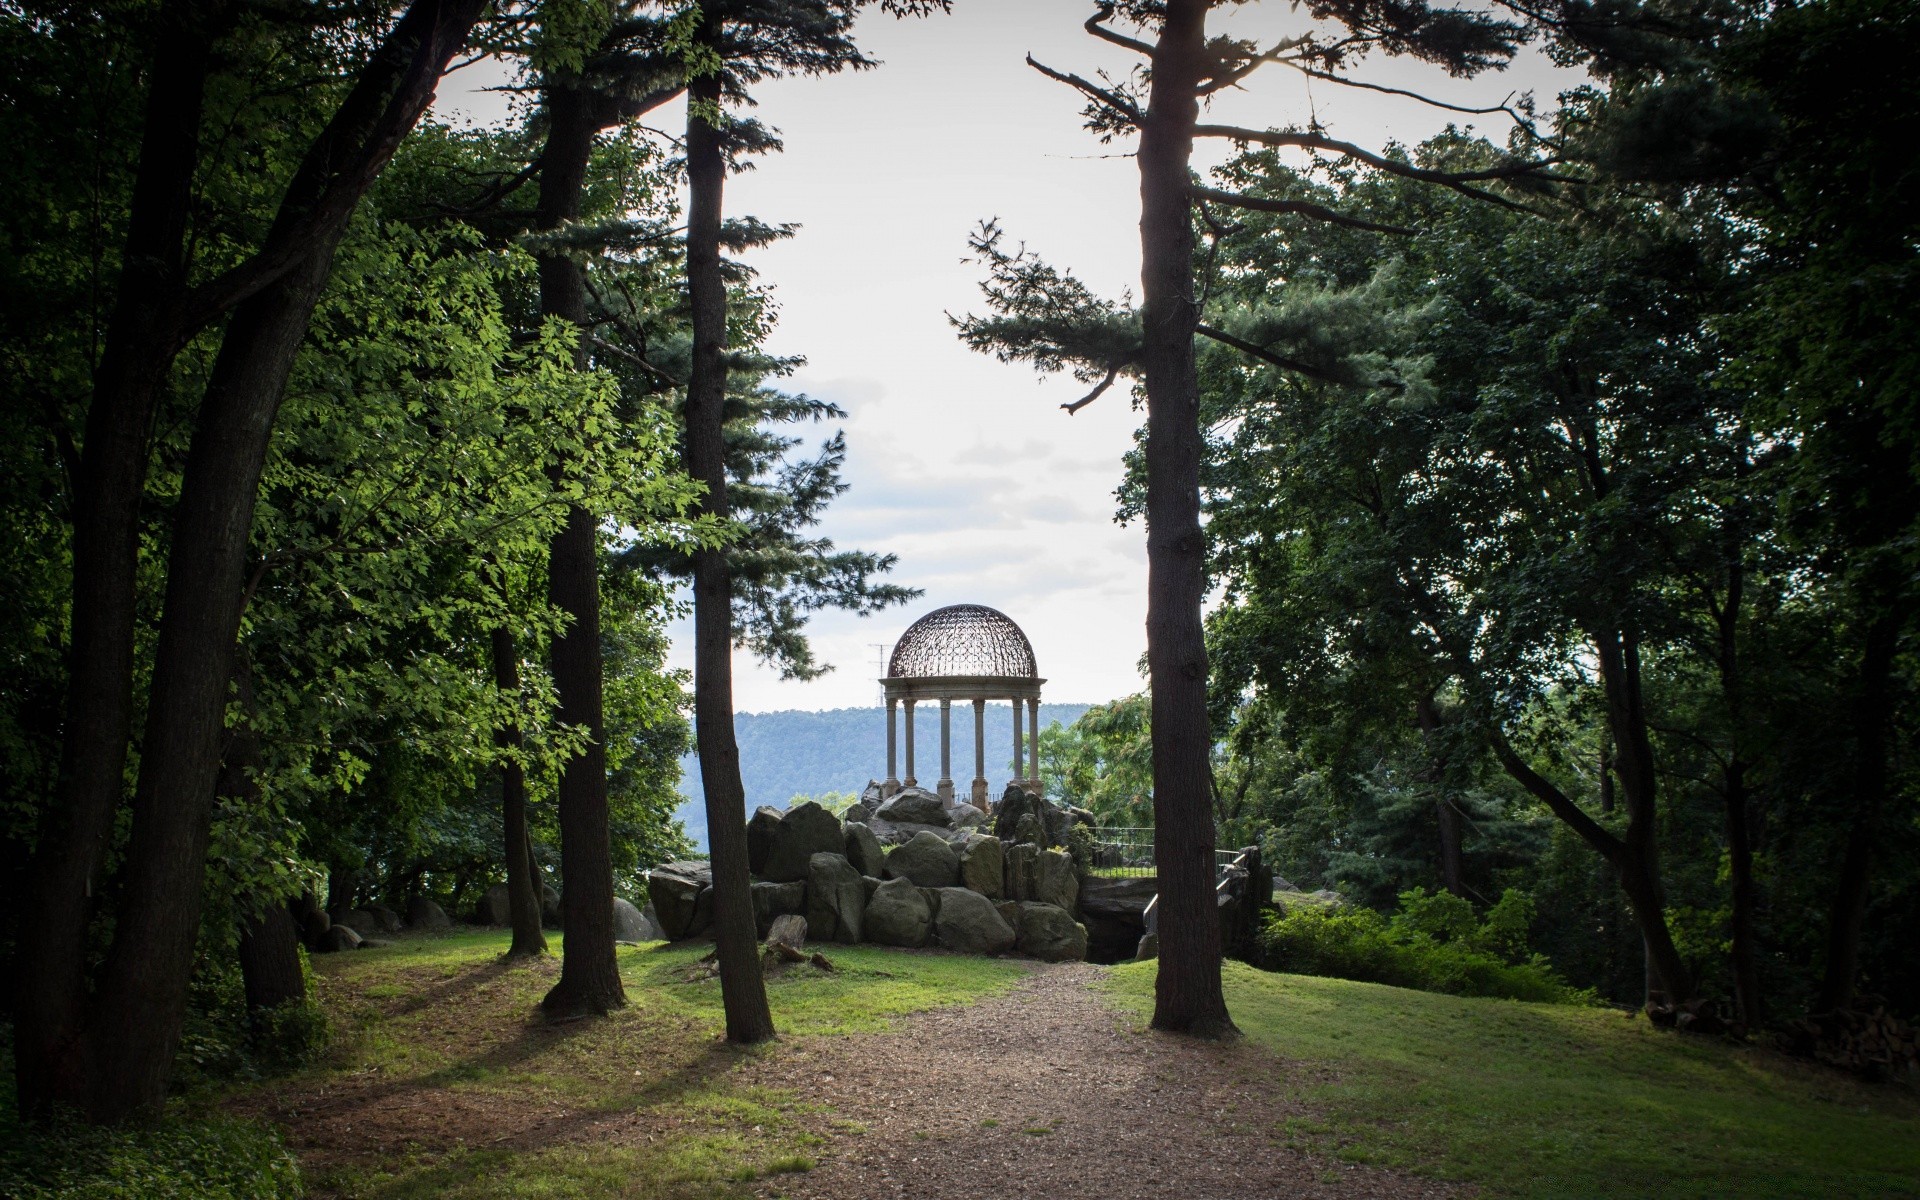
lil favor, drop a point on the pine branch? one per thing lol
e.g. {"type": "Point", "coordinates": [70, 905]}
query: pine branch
{"type": "Point", "coordinates": [1318, 212]}
{"type": "Point", "coordinates": [1459, 181]}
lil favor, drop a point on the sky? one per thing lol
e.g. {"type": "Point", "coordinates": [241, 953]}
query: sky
{"type": "Point", "coordinates": [966, 468]}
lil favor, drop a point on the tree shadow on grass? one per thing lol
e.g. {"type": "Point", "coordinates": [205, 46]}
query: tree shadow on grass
{"type": "Point", "coordinates": [540, 1087]}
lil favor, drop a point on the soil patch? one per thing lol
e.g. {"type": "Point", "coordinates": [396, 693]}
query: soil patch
{"type": "Point", "coordinates": [1047, 1092]}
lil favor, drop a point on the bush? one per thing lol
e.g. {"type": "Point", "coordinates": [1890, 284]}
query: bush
{"type": "Point", "coordinates": [209, 1159]}
{"type": "Point", "coordinates": [1434, 943]}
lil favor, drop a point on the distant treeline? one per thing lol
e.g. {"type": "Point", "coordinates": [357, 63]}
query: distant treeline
{"type": "Point", "coordinates": [784, 754]}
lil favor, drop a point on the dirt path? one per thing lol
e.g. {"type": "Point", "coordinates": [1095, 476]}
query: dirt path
{"type": "Point", "coordinates": [1083, 1107]}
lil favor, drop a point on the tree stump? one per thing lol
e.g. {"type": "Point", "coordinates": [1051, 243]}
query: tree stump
{"type": "Point", "coordinates": [784, 940]}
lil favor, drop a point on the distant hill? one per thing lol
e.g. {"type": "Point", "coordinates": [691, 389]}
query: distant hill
{"type": "Point", "coordinates": [784, 754]}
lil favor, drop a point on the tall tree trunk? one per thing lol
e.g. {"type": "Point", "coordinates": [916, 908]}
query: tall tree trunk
{"type": "Point", "coordinates": [1737, 796]}
{"type": "Point", "coordinates": [270, 958]}
{"type": "Point", "coordinates": [742, 990]}
{"type": "Point", "coordinates": [1638, 862]}
{"type": "Point", "coordinates": [589, 974]}
{"type": "Point", "coordinates": [1187, 995]}
{"type": "Point", "coordinates": [142, 999]}
{"type": "Point", "coordinates": [49, 994]}
{"type": "Point", "coordinates": [134, 1021]}
{"type": "Point", "coordinates": [269, 950]}
{"type": "Point", "coordinates": [1870, 718]}
{"type": "Point", "coordinates": [523, 888]}
{"type": "Point", "coordinates": [1452, 873]}
{"type": "Point", "coordinates": [1746, 972]}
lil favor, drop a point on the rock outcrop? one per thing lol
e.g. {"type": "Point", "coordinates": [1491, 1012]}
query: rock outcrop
{"type": "Point", "coordinates": [632, 925]}
{"type": "Point", "coordinates": [772, 900]}
{"type": "Point", "coordinates": [682, 898]}
{"type": "Point", "coordinates": [802, 832]}
{"type": "Point", "coordinates": [968, 922]}
{"type": "Point", "coordinates": [916, 806]}
{"type": "Point", "coordinates": [1050, 933]}
{"type": "Point", "coordinates": [927, 860]}
{"type": "Point", "coordinates": [760, 830]}
{"type": "Point", "coordinates": [863, 849]}
{"type": "Point", "coordinates": [424, 914]}
{"type": "Point", "coordinates": [836, 900]}
{"type": "Point", "coordinates": [983, 866]}
{"type": "Point", "coordinates": [898, 915]}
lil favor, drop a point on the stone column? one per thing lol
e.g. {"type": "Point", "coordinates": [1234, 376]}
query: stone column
{"type": "Point", "coordinates": [1019, 747]}
{"type": "Point", "coordinates": [892, 783]}
{"type": "Point", "coordinates": [946, 750]}
{"type": "Point", "coordinates": [910, 781]}
{"type": "Point", "coordinates": [980, 755]}
{"type": "Point", "coordinates": [1033, 736]}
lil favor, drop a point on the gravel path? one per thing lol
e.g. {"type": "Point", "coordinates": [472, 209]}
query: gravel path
{"type": "Point", "coordinates": [1081, 1105]}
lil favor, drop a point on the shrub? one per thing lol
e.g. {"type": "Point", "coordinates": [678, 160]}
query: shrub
{"type": "Point", "coordinates": [218, 1158]}
{"type": "Point", "coordinates": [1434, 943]}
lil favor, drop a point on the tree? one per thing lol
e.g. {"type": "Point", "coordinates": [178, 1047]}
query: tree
{"type": "Point", "coordinates": [736, 44]}
{"type": "Point", "coordinates": [109, 1052]}
{"type": "Point", "coordinates": [1052, 321]}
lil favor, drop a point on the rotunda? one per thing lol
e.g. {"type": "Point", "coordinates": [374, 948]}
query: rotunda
{"type": "Point", "coordinates": [965, 652]}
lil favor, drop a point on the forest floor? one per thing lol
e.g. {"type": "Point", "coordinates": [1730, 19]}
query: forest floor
{"type": "Point", "coordinates": [927, 1075]}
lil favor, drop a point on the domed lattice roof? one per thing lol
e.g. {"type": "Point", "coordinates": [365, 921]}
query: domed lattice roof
{"type": "Point", "coordinates": [963, 639]}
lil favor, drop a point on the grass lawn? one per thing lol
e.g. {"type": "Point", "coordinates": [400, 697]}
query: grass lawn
{"type": "Point", "coordinates": [445, 1083]}
{"type": "Point", "coordinates": [1555, 1101]}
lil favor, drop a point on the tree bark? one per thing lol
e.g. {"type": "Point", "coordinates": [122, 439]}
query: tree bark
{"type": "Point", "coordinates": [523, 888]}
{"type": "Point", "coordinates": [134, 1021]}
{"type": "Point", "coordinates": [1618, 654]}
{"type": "Point", "coordinates": [1187, 994]}
{"type": "Point", "coordinates": [589, 975]}
{"type": "Point", "coordinates": [742, 990]}
{"type": "Point", "coordinates": [50, 1059]}
{"type": "Point", "coordinates": [1452, 872]}
{"type": "Point", "coordinates": [1869, 794]}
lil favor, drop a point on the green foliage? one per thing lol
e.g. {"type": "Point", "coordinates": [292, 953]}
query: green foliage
{"type": "Point", "coordinates": [836, 803]}
{"type": "Point", "coordinates": [206, 1157]}
{"type": "Point", "coordinates": [1434, 943]}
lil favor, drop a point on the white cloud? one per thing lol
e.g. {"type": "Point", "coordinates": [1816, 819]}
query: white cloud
{"type": "Point", "coordinates": [964, 466]}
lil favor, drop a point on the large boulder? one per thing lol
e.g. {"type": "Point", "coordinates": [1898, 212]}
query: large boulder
{"type": "Point", "coordinates": [550, 914]}
{"type": "Point", "coordinates": [983, 867]}
{"type": "Point", "coordinates": [337, 937]}
{"type": "Point", "coordinates": [873, 795]}
{"type": "Point", "coordinates": [894, 833]}
{"type": "Point", "coordinates": [898, 915]}
{"type": "Point", "coordinates": [495, 907]}
{"type": "Point", "coordinates": [863, 849]}
{"type": "Point", "coordinates": [1114, 912]}
{"type": "Point", "coordinates": [1049, 932]}
{"type": "Point", "coordinates": [965, 816]}
{"type": "Point", "coordinates": [836, 900]}
{"type": "Point", "coordinates": [804, 831]}
{"type": "Point", "coordinates": [388, 920]}
{"type": "Point", "coordinates": [916, 805]}
{"type": "Point", "coordinates": [772, 900]}
{"type": "Point", "coordinates": [423, 913]}
{"type": "Point", "coordinates": [1026, 817]}
{"type": "Point", "coordinates": [675, 890]}
{"type": "Point", "coordinates": [967, 921]}
{"type": "Point", "coordinates": [927, 860]}
{"type": "Point", "coordinates": [1054, 880]}
{"type": "Point", "coordinates": [760, 831]}
{"type": "Point", "coordinates": [632, 925]}
{"type": "Point", "coordinates": [362, 921]}
{"type": "Point", "coordinates": [1046, 876]}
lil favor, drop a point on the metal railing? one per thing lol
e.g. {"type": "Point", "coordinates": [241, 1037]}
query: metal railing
{"type": "Point", "coordinates": [1126, 852]}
